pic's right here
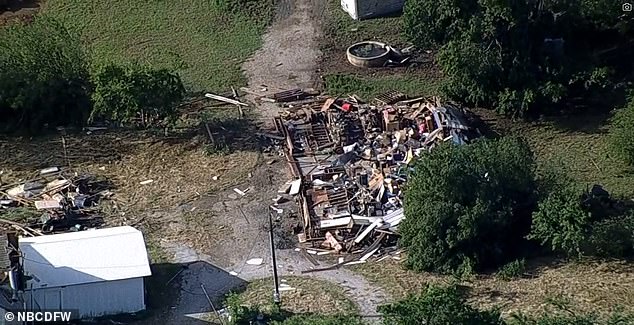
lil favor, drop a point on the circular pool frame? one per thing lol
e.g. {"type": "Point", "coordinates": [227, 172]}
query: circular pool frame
{"type": "Point", "coordinates": [370, 61]}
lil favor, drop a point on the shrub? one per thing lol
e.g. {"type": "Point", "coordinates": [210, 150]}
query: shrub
{"type": "Point", "coordinates": [131, 93]}
{"type": "Point", "coordinates": [622, 133]}
{"type": "Point", "coordinates": [44, 77]}
{"type": "Point", "coordinates": [437, 306]}
{"type": "Point", "coordinates": [582, 224]}
{"type": "Point", "coordinates": [468, 207]}
{"type": "Point", "coordinates": [512, 270]}
{"type": "Point", "coordinates": [611, 237]}
{"type": "Point", "coordinates": [560, 223]}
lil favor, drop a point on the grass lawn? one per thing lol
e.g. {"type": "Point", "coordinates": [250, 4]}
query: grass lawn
{"type": "Point", "coordinates": [576, 144]}
{"type": "Point", "coordinates": [200, 39]}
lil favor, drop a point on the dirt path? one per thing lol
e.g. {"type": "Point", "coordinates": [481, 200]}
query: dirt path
{"type": "Point", "coordinates": [287, 59]}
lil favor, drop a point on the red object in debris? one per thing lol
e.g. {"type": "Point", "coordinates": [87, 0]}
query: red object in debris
{"type": "Point", "coordinates": [346, 107]}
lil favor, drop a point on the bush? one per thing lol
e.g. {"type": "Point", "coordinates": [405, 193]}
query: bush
{"type": "Point", "coordinates": [622, 133]}
{"type": "Point", "coordinates": [524, 57]}
{"type": "Point", "coordinates": [437, 306]}
{"type": "Point", "coordinates": [468, 207]}
{"type": "Point", "coordinates": [582, 224]}
{"type": "Point", "coordinates": [512, 270]}
{"type": "Point", "coordinates": [560, 223]}
{"type": "Point", "coordinates": [44, 79]}
{"type": "Point", "coordinates": [132, 93]}
{"type": "Point", "coordinates": [611, 237]}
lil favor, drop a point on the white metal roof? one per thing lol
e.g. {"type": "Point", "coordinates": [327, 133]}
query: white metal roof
{"type": "Point", "coordinates": [85, 257]}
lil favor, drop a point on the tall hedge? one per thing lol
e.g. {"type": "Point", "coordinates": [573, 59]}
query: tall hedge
{"type": "Point", "coordinates": [468, 207]}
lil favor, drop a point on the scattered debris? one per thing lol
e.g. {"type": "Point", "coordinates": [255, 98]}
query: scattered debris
{"type": "Point", "coordinates": [255, 261]}
{"type": "Point", "coordinates": [239, 192]}
{"type": "Point", "coordinates": [54, 201]}
{"type": "Point", "coordinates": [295, 187]}
{"type": "Point", "coordinates": [350, 160]}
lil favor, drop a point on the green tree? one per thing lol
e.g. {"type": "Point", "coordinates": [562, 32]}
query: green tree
{"type": "Point", "coordinates": [524, 56]}
{"type": "Point", "coordinates": [44, 78]}
{"type": "Point", "coordinates": [437, 306]}
{"type": "Point", "coordinates": [128, 93]}
{"type": "Point", "coordinates": [468, 207]}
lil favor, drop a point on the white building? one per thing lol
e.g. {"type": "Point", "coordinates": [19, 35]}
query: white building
{"type": "Point", "coordinates": [95, 272]}
{"type": "Point", "coordinates": [364, 9]}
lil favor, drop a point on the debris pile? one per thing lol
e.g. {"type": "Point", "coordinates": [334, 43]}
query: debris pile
{"type": "Point", "coordinates": [52, 202]}
{"type": "Point", "coordinates": [351, 159]}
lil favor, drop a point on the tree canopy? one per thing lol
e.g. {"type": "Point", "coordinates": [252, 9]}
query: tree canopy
{"type": "Point", "coordinates": [525, 56]}
{"type": "Point", "coordinates": [468, 207]}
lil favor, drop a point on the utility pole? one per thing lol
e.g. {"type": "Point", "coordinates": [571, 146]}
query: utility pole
{"type": "Point", "coordinates": [276, 292]}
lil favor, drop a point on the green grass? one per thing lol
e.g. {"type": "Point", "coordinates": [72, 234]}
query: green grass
{"type": "Point", "coordinates": [368, 87]}
{"type": "Point", "coordinates": [585, 156]}
{"type": "Point", "coordinates": [200, 39]}
{"type": "Point", "coordinates": [341, 30]}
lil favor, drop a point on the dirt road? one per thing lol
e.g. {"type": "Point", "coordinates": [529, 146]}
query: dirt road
{"type": "Point", "coordinates": [287, 59]}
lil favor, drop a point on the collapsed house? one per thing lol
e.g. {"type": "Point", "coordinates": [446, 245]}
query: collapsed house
{"type": "Point", "coordinates": [351, 161]}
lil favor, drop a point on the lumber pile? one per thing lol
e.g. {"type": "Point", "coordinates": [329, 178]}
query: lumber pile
{"type": "Point", "coordinates": [351, 160]}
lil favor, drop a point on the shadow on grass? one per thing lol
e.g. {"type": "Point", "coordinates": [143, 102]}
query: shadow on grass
{"type": "Point", "coordinates": [230, 134]}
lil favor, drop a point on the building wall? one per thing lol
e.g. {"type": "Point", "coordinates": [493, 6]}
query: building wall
{"type": "Point", "coordinates": [91, 299]}
{"type": "Point", "coordinates": [350, 6]}
{"type": "Point", "coordinates": [363, 9]}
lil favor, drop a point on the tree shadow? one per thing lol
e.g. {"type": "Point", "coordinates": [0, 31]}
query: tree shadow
{"type": "Point", "coordinates": [17, 5]}
{"type": "Point", "coordinates": [587, 122]}
{"type": "Point", "coordinates": [228, 133]}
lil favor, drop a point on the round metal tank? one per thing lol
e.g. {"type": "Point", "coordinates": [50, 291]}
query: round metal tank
{"type": "Point", "coordinates": [368, 54]}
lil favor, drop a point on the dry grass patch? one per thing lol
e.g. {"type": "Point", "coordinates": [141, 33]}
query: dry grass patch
{"type": "Point", "coordinates": [589, 285]}
{"type": "Point", "coordinates": [309, 297]}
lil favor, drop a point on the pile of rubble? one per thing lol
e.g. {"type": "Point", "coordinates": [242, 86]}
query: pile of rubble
{"type": "Point", "coordinates": [351, 161]}
{"type": "Point", "coordinates": [53, 201]}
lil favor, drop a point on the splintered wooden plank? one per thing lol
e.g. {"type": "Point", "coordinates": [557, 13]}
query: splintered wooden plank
{"type": "Point", "coordinates": [225, 99]}
{"type": "Point", "coordinates": [47, 204]}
